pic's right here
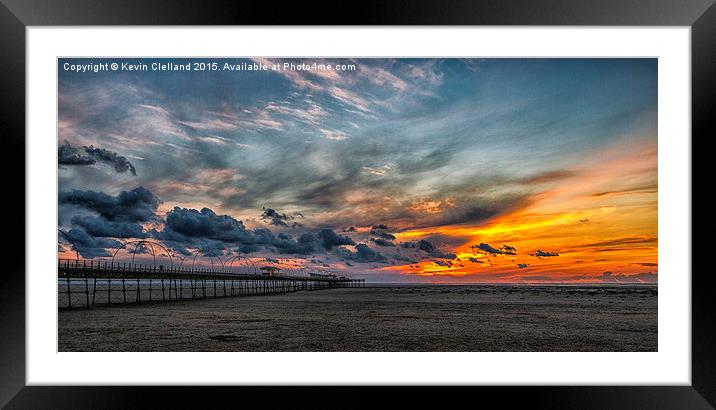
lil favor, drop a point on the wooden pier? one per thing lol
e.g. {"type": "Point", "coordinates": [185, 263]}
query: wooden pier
{"type": "Point", "coordinates": [85, 283]}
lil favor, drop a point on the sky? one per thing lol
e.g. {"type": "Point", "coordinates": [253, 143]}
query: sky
{"type": "Point", "coordinates": [399, 170]}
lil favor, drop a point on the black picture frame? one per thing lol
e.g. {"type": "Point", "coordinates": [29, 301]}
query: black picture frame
{"type": "Point", "coordinates": [16, 15]}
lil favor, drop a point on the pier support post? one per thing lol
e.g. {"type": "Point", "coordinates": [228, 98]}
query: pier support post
{"type": "Point", "coordinates": [69, 293]}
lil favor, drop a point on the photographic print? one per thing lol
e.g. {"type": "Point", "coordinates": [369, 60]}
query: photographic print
{"type": "Point", "coordinates": [357, 204]}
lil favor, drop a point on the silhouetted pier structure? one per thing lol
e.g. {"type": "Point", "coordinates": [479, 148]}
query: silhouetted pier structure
{"type": "Point", "coordinates": [84, 283]}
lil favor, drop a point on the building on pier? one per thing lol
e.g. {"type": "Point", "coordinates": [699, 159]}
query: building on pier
{"type": "Point", "coordinates": [269, 270]}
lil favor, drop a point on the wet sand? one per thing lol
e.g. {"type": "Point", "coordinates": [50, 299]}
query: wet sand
{"type": "Point", "coordinates": [380, 318]}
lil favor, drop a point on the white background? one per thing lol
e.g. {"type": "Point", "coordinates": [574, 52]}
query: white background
{"type": "Point", "coordinates": [670, 365]}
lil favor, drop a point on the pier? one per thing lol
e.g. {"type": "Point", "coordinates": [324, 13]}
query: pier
{"type": "Point", "coordinates": [86, 283]}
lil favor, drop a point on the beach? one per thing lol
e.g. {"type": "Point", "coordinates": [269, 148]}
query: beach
{"type": "Point", "coordinates": [380, 318]}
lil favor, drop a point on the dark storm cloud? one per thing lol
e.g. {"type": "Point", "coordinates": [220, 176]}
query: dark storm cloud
{"type": "Point", "coordinates": [100, 227]}
{"type": "Point", "coordinates": [401, 258]}
{"type": "Point", "coordinates": [68, 154]}
{"type": "Point", "coordinates": [137, 205]}
{"type": "Point", "coordinates": [363, 254]}
{"type": "Point", "coordinates": [305, 244]}
{"type": "Point", "coordinates": [330, 239]}
{"type": "Point", "coordinates": [522, 265]}
{"type": "Point", "coordinates": [475, 260]}
{"type": "Point", "coordinates": [544, 254]}
{"type": "Point", "coordinates": [427, 247]}
{"type": "Point", "coordinates": [248, 248]}
{"type": "Point", "coordinates": [409, 245]}
{"type": "Point", "coordinates": [91, 247]}
{"type": "Point", "coordinates": [487, 248]}
{"type": "Point", "coordinates": [382, 242]}
{"type": "Point", "coordinates": [381, 231]}
{"type": "Point", "coordinates": [191, 223]}
{"type": "Point", "coordinates": [276, 218]}
{"type": "Point", "coordinates": [119, 217]}
{"type": "Point", "coordinates": [192, 228]}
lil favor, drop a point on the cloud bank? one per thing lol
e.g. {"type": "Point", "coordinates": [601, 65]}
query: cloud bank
{"type": "Point", "coordinates": [70, 155]}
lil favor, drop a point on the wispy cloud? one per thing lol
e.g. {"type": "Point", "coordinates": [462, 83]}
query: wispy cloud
{"type": "Point", "coordinates": [333, 135]}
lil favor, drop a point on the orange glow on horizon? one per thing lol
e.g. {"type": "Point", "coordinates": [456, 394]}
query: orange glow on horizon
{"type": "Point", "coordinates": [602, 221]}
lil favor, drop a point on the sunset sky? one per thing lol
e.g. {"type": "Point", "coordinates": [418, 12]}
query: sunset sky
{"type": "Point", "coordinates": [404, 170]}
